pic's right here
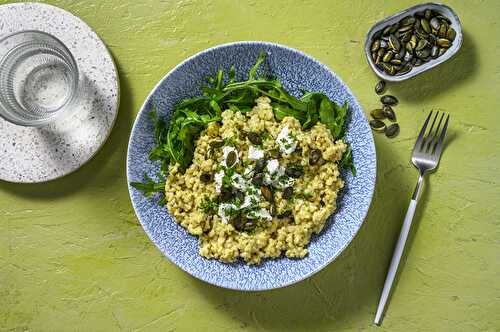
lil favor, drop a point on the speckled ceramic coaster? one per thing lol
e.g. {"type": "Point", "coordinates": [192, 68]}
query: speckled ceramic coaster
{"type": "Point", "coordinates": [42, 154]}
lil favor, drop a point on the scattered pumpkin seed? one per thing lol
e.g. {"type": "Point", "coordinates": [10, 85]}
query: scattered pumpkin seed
{"type": "Point", "coordinates": [378, 114]}
{"type": "Point", "coordinates": [389, 113]}
{"type": "Point", "coordinates": [389, 100]}
{"type": "Point", "coordinates": [377, 126]}
{"type": "Point", "coordinates": [375, 45]}
{"type": "Point", "coordinates": [380, 87]}
{"type": "Point", "coordinates": [392, 130]}
{"type": "Point", "coordinates": [394, 43]}
{"type": "Point", "coordinates": [435, 23]}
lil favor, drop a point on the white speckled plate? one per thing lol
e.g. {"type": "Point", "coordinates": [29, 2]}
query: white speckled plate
{"type": "Point", "coordinates": [42, 154]}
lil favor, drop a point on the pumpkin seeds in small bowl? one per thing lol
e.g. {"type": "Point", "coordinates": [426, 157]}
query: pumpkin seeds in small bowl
{"type": "Point", "coordinates": [413, 41]}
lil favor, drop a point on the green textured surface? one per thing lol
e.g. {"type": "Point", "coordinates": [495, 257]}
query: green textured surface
{"type": "Point", "coordinates": [74, 257]}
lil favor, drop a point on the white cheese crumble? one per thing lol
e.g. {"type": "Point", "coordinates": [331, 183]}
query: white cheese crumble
{"type": "Point", "coordinates": [285, 141]}
{"type": "Point", "coordinates": [261, 214]}
{"type": "Point", "coordinates": [238, 181]}
{"type": "Point", "coordinates": [218, 181]}
{"type": "Point", "coordinates": [226, 150]}
{"type": "Point", "coordinates": [255, 153]}
{"type": "Point", "coordinates": [273, 166]}
{"type": "Point", "coordinates": [224, 211]}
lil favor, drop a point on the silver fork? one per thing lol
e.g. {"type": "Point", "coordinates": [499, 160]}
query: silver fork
{"type": "Point", "coordinates": [425, 157]}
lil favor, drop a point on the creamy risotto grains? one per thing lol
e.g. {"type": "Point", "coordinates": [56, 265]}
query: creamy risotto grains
{"type": "Point", "coordinates": [257, 188]}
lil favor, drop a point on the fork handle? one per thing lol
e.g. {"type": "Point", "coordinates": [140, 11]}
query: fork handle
{"type": "Point", "coordinates": [398, 252]}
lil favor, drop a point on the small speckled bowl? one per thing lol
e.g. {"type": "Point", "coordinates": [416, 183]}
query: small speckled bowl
{"type": "Point", "coordinates": [296, 71]}
{"type": "Point", "coordinates": [444, 10]}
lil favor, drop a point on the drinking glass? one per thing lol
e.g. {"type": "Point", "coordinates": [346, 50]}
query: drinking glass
{"type": "Point", "coordinates": [39, 78]}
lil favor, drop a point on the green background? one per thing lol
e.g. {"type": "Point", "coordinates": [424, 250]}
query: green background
{"type": "Point", "coordinates": [73, 256]}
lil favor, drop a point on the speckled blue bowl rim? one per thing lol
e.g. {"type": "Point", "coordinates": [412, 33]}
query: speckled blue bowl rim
{"type": "Point", "coordinates": [295, 278]}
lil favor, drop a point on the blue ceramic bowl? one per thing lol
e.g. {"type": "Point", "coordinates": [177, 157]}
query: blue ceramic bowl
{"type": "Point", "coordinates": [296, 71]}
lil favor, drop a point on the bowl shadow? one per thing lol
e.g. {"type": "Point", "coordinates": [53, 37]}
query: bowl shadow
{"type": "Point", "coordinates": [447, 76]}
{"type": "Point", "coordinates": [94, 171]}
{"type": "Point", "coordinates": [352, 283]}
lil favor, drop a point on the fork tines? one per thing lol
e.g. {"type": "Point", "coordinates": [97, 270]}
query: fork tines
{"type": "Point", "coordinates": [431, 141]}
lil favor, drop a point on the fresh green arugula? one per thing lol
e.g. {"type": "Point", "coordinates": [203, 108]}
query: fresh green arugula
{"type": "Point", "coordinates": [175, 144]}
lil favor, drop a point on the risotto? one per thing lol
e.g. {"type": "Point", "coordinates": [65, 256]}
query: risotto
{"type": "Point", "coordinates": [257, 188]}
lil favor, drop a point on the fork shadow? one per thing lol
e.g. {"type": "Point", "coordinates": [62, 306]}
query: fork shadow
{"type": "Point", "coordinates": [348, 286]}
{"type": "Point", "coordinates": [94, 172]}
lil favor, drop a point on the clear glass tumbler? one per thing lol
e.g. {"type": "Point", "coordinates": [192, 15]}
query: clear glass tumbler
{"type": "Point", "coordinates": [39, 78]}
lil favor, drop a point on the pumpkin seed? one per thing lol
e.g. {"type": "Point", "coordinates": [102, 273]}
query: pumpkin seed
{"type": "Point", "coordinates": [217, 144]}
{"type": "Point", "coordinates": [314, 157]}
{"type": "Point", "coordinates": [388, 56]}
{"type": "Point", "coordinates": [259, 165]}
{"type": "Point", "coordinates": [442, 42]}
{"type": "Point", "coordinates": [435, 23]}
{"type": "Point", "coordinates": [386, 30]}
{"type": "Point", "coordinates": [405, 69]}
{"type": "Point", "coordinates": [389, 100]}
{"type": "Point", "coordinates": [443, 18]}
{"type": "Point", "coordinates": [205, 177]}
{"type": "Point", "coordinates": [394, 28]}
{"type": "Point", "coordinates": [443, 29]}
{"type": "Point", "coordinates": [380, 87]}
{"type": "Point", "coordinates": [408, 20]}
{"type": "Point", "coordinates": [389, 112]}
{"type": "Point", "coordinates": [380, 52]}
{"type": "Point", "coordinates": [258, 179]}
{"type": "Point", "coordinates": [441, 51]}
{"type": "Point", "coordinates": [405, 37]}
{"type": "Point", "coordinates": [378, 114]}
{"type": "Point", "coordinates": [377, 125]}
{"type": "Point", "coordinates": [451, 34]}
{"type": "Point", "coordinates": [394, 43]}
{"type": "Point", "coordinates": [425, 25]}
{"type": "Point", "coordinates": [432, 39]}
{"type": "Point", "coordinates": [374, 56]}
{"type": "Point", "coordinates": [421, 33]}
{"type": "Point", "coordinates": [418, 62]}
{"type": "Point", "coordinates": [285, 214]}
{"type": "Point", "coordinates": [392, 130]}
{"type": "Point", "coordinates": [287, 193]}
{"type": "Point", "coordinates": [231, 159]}
{"type": "Point", "coordinates": [427, 14]}
{"type": "Point", "coordinates": [396, 62]}
{"type": "Point", "coordinates": [383, 43]}
{"type": "Point", "coordinates": [294, 171]}
{"type": "Point", "coordinates": [375, 45]}
{"type": "Point", "coordinates": [423, 53]}
{"type": "Point", "coordinates": [422, 43]}
{"type": "Point", "coordinates": [254, 138]}
{"type": "Point", "coordinates": [267, 193]}
{"type": "Point", "coordinates": [405, 28]}
{"type": "Point", "coordinates": [434, 52]}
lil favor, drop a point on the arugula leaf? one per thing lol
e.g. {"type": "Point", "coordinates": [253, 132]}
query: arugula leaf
{"type": "Point", "coordinates": [150, 187]}
{"type": "Point", "coordinates": [175, 144]}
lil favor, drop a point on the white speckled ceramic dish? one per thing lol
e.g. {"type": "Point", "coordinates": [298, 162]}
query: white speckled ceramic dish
{"type": "Point", "coordinates": [296, 71]}
{"type": "Point", "coordinates": [30, 154]}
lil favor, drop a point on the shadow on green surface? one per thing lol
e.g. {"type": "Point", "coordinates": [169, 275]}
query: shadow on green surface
{"type": "Point", "coordinates": [94, 171]}
{"type": "Point", "coordinates": [351, 284]}
{"type": "Point", "coordinates": [459, 69]}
